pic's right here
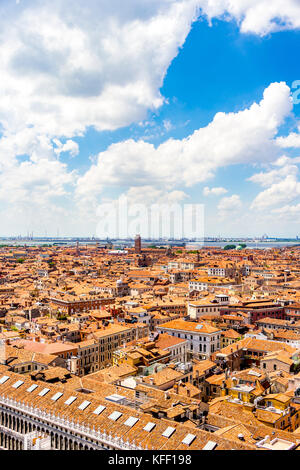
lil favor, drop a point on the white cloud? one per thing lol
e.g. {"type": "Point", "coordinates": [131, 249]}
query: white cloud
{"type": "Point", "coordinates": [278, 193]}
{"type": "Point", "coordinates": [256, 16]}
{"type": "Point", "coordinates": [152, 212]}
{"type": "Point", "coordinates": [290, 141]}
{"type": "Point", "coordinates": [282, 183]}
{"type": "Point", "coordinates": [218, 191]}
{"type": "Point", "coordinates": [243, 137]}
{"type": "Point", "coordinates": [288, 212]}
{"type": "Point", "coordinates": [35, 182]}
{"type": "Point", "coordinates": [228, 207]}
{"type": "Point", "coordinates": [151, 195]}
{"type": "Point", "coordinates": [230, 203]}
{"type": "Point", "coordinates": [30, 172]}
{"type": "Point", "coordinates": [167, 125]}
{"type": "Point", "coordinates": [70, 146]}
{"type": "Point", "coordinates": [269, 178]}
{"type": "Point", "coordinates": [65, 65]}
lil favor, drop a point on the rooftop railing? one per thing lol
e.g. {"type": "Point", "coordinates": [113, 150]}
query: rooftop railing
{"type": "Point", "coordinates": [71, 425]}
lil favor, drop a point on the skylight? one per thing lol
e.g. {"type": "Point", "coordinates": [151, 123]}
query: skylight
{"type": "Point", "coordinates": [189, 438]}
{"type": "Point", "coordinates": [168, 432]}
{"type": "Point", "coordinates": [149, 426]}
{"type": "Point", "coordinates": [56, 396]}
{"type": "Point", "coordinates": [99, 410]}
{"type": "Point", "coordinates": [70, 400]}
{"type": "Point", "coordinates": [84, 405]}
{"type": "Point", "coordinates": [210, 445]}
{"type": "Point", "coordinates": [115, 415]}
{"type": "Point", "coordinates": [131, 421]}
{"type": "Point", "coordinates": [18, 384]}
{"type": "Point", "coordinates": [4, 379]}
{"type": "Point", "coordinates": [31, 388]}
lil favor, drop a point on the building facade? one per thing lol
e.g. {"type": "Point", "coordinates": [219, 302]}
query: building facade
{"type": "Point", "coordinates": [203, 339]}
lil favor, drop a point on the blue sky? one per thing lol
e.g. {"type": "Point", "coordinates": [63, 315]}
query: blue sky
{"type": "Point", "coordinates": [130, 105]}
{"type": "Point", "coordinates": [227, 74]}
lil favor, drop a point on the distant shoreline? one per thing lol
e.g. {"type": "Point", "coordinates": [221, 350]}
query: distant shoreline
{"type": "Point", "coordinates": [119, 244]}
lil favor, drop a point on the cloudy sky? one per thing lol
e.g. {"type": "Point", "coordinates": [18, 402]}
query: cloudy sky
{"type": "Point", "coordinates": [189, 101]}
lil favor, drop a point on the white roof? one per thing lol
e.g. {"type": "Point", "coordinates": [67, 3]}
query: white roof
{"type": "Point", "coordinates": [115, 397]}
{"type": "Point", "coordinates": [44, 392]}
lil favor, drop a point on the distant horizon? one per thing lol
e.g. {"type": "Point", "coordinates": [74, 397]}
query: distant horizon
{"type": "Point", "coordinates": [158, 240]}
